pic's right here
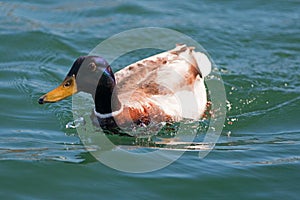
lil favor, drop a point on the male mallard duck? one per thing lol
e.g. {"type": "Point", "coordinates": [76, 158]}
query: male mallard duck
{"type": "Point", "coordinates": [166, 87]}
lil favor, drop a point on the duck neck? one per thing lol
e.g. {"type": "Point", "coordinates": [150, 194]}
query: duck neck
{"type": "Point", "coordinates": [106, 101]}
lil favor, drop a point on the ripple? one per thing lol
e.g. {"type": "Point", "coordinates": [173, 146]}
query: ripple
{"type": "Point", "coordinates": [21, 145]}
{"type": "Point", "coordinates": [278, 161]}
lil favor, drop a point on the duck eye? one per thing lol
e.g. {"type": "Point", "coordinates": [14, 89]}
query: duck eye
{"type": "Point", "coordinates": [92, 67]}
{"type": "Point", "coordinates": [67, 84]}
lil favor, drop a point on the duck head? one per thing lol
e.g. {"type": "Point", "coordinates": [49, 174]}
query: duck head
{"type": "Point", "coordinates": [88, 74]}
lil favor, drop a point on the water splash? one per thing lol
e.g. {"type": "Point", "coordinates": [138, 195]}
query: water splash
{"type": "Point", "coordinates": [76, 123]}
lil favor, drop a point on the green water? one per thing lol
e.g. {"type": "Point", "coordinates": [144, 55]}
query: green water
{"type": "Point", "coordinates": [256, 46]}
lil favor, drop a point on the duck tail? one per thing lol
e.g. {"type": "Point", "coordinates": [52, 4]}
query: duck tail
{"type": "Point", "coordinates": [197, 59]}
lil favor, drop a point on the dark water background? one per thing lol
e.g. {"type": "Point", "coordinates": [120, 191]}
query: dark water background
{"type": "Point", "coordinates": [255, 44]}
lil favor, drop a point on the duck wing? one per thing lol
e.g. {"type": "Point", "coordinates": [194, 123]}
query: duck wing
{"type": "Point", "coordinates": [165, 87]}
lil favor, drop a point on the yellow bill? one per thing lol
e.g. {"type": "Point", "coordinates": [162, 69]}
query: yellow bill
{"type": "Point", "coordinates": [67, 88]}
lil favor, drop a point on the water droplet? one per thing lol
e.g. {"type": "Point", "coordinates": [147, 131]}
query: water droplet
{"type": "Point", "coordinates": [76, 123]}
{"type": "Point", "coordinates": [228, 133]}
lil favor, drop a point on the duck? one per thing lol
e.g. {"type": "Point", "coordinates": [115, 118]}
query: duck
{"type": "Point", "coordinates": [164, 88]}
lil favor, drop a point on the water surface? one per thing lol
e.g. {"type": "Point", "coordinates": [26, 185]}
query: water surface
{"type": "Point", "coordinates": [255, 45]}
